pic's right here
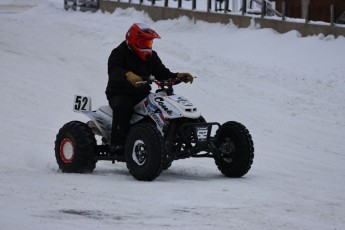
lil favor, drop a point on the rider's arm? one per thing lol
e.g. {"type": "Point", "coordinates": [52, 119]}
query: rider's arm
{"type": "Point", "coordinates": [159, 70]}
{"type": "Point", "coordinates": [116, 62]}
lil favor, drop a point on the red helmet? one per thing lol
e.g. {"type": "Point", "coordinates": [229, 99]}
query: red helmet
{"type": "Point", "coordinates": [139, 38]}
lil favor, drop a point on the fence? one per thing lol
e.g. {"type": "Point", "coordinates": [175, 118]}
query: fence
{"type": "Point", "coordinates": [261, 15]}
{"type": "Point", "coordinates": [82, 5]}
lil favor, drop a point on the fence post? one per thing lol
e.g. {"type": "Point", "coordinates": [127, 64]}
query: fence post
{"type": "Point", "coordinates": [244, 7]}
{"type": "Point", "coordinates": [166, 3]}
{"type": "Point", "coordinates": [179, 4]}
{"type": "Point", "coordinates": [307, 16]}
{"type": "Point", "coordinates": [153, 2]}
{"type": "Point", "coordinates": [208, 5]}
{"type": "Point", "coordinates": [193, 4]}
{"type": "Point", "coordinates": [263, 8]}
{"type": "Point", "coordinates": [283, 10]}
{"type": "Point", "coordinates": [141, 2]}
{"type": "Point", "coordinates": [226, 6]}
{"type": "Point", "coordinates": [332, 15]}
{"type": "Point", "coordinates": [74, 5]}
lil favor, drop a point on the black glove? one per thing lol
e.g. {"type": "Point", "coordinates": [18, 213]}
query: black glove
{"type": "Point", "coordinates": [185, 77]}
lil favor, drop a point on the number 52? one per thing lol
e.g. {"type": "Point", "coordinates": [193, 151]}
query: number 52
{"type": "Point", "coordinates": [82, 103]}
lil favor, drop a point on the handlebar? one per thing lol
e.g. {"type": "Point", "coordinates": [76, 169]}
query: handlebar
{"type": "Point", "coordinates": [160, 83]}
{"type": "Point", "coordinates": [163, 85]}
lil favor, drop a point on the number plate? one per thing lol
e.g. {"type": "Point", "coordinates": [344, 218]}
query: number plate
{"type": "Point", "coordinates": [202, 133]}
{"type": "Point", "coordinates": [81, 103]}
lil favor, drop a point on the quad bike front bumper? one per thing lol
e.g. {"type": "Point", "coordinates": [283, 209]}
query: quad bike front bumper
{"type": "Point", "coordinates": [196, 140]}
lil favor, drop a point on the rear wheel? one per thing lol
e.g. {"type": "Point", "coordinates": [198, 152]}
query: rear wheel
{"type": "Point", "coordinates": [144, 152]}
{"type": "Point", "coordinates": [237, 149]}
{"type": "Point", "coordinates": [75, 148]}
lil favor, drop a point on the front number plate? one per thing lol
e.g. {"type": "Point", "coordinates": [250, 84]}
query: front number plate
{"type": "Point", "coordinates": [202, 133]}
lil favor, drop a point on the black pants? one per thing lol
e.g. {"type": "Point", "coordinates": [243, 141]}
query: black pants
{"type": "Point", "coordinates": [122, 106]}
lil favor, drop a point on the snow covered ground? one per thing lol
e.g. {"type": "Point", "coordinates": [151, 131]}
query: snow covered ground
{"type": "Point", "coordinates": [287, 90]}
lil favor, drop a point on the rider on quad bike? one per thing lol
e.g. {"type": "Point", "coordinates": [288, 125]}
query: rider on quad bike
{"type": "Point", "coordinates": [148, 130]}
{"type": "Point", "coordinates": [132, 62]}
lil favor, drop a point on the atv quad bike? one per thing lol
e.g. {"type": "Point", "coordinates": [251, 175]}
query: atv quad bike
{"type": "Point", "coordinates": [164, 127]}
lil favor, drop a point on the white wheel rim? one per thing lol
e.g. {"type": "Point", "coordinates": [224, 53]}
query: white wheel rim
{"type": "Point", "coordinates": [66, 150]}
{"type": "Point", "coordinates": [139, 152]}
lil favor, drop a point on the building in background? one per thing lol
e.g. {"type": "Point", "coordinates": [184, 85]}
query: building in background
{"type": "Point", "coordinates": [319, 9]}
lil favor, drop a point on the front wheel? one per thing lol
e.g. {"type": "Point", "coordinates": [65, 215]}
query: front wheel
{"type": "Point", "coordinates": [236, 149]}
{"type": "Point", "coordinates": [75, 148]}
{"type": "Point", "coordinates": [144, 152]}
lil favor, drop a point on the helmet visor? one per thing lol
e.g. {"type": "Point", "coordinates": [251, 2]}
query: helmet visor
{"type": "Point", "coordinates": [145, 44]}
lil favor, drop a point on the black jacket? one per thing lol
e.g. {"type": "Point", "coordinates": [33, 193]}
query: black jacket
{"type": "Point", "coordinates": [122, 60]}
